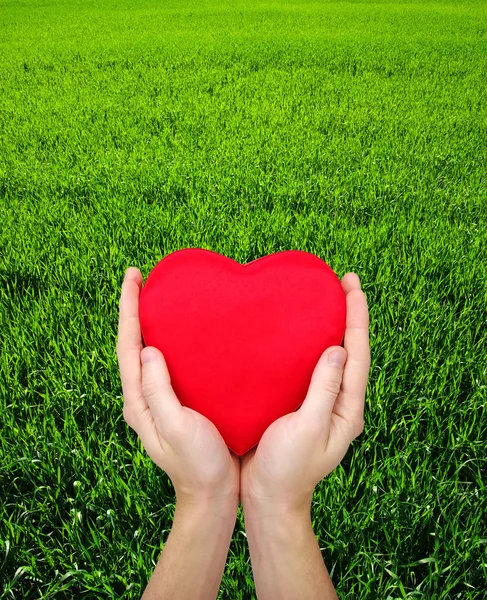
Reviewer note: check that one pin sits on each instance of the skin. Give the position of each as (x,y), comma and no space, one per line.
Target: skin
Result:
(172,435)
(319,433)
(274,481)
(278,477)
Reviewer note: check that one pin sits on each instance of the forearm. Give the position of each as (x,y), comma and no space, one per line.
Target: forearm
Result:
(286,559)
(193,560)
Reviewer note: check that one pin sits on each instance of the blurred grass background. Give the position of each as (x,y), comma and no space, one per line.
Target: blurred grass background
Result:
(352,130)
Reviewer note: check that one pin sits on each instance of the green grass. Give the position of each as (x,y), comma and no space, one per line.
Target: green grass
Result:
(352,130)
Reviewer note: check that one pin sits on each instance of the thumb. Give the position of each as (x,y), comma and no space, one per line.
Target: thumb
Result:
(157,389)
(324,386)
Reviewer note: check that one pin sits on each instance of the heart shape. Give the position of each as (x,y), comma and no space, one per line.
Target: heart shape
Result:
(241,342)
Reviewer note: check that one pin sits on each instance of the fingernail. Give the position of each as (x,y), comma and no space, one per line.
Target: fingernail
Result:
(148,356)
(336,358)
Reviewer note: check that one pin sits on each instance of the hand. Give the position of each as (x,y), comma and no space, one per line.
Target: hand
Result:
(178,439)
(299,449)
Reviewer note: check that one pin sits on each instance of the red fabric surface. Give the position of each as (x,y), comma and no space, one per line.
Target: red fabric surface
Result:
(241,341)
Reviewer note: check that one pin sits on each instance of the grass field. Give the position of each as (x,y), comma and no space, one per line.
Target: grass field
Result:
(353,130)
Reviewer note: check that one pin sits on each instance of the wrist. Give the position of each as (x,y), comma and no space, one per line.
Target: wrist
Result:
(286,557)
(278,535)
(273,509)
(277,523)
(219,507)
(193,560)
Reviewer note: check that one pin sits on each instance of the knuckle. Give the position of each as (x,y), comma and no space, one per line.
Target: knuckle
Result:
(331,386)
(149,389)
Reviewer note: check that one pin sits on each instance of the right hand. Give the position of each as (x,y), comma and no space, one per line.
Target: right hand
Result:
(179,439)
(301,448)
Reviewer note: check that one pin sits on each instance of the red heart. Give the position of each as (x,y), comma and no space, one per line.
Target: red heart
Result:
(241,341)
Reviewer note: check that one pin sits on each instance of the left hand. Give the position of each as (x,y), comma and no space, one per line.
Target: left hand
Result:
(301,448)
(178,439)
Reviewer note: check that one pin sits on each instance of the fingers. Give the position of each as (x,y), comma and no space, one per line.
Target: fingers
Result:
(324,388)
(342,391)
(129,343)
(351,281)
(159,394)
(350,403)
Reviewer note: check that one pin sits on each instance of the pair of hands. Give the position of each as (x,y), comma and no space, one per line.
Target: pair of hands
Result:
(295,452)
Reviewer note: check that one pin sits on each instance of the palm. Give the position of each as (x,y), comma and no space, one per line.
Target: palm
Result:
(217,462)
(277,461)
(301,448)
